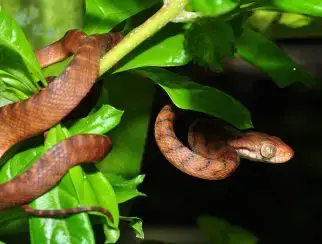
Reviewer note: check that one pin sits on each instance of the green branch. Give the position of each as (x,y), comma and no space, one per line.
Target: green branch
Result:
(167,13)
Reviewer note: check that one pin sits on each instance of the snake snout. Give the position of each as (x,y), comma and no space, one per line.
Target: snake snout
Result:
(289,154)
(285,154)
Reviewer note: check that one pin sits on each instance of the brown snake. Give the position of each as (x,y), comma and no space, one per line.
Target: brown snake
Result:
(216,146)
(21,120)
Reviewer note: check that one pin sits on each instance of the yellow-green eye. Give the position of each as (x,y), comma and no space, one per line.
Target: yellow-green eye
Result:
(268,150)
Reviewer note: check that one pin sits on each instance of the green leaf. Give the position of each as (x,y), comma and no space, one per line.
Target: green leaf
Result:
(213,7)
(187,94)
(309,7)
(134,95)
(104,194)
(10,88)
(17,52)
(136,225)
(209,41)
(295,20)
(125,189)
(93,189)
(101,121)
(166,48)
(268,57)
(261,20)
(54,136)
(103,15)
(218,230)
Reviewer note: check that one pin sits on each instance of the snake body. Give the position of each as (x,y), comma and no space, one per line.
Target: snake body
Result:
(51,167)
(24,119)
(30,117)
(215,146)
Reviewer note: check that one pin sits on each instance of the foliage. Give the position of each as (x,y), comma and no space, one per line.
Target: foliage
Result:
(219,29)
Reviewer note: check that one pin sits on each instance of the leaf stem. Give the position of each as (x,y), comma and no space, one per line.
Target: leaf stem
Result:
(167,13)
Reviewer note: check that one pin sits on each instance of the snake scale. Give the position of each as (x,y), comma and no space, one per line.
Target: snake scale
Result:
(30,117)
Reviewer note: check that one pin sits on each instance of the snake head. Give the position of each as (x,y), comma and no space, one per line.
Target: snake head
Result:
(258,146)
(275,150)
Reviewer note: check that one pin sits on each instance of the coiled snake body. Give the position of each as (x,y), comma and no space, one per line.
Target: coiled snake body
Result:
(24,119)
(216,146)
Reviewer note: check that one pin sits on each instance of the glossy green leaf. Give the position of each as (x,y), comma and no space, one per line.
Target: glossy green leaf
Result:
(209,41)
(125,189)
(309,7)
(10,88)
(261,20)
(16,52)
(104,194)
(217,230)
(12,95)
(213,7)
(103,15)
(295,20)
(187,94)
(93,189)
(101,121)
(136,225)
(54,136)
(134,95)
(166,48)
(268,57)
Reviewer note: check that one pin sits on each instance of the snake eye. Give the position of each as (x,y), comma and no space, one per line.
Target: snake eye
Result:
(268,150)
